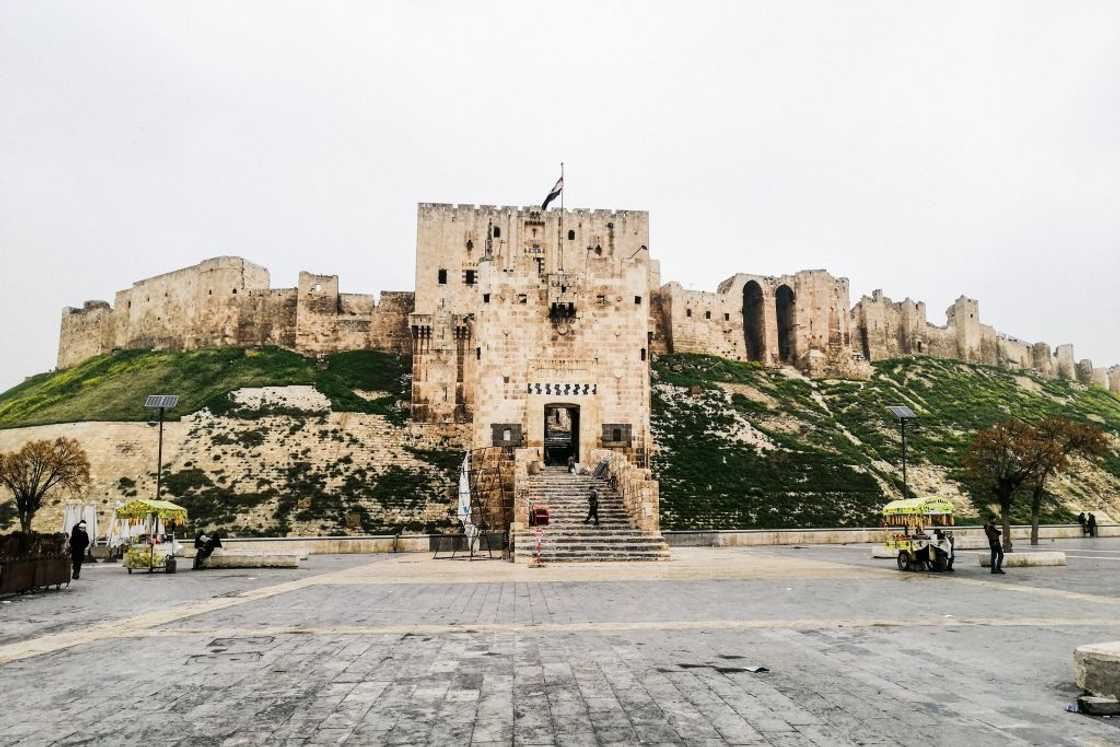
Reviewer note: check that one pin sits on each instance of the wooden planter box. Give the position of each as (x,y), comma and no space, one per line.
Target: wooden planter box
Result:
(17,576)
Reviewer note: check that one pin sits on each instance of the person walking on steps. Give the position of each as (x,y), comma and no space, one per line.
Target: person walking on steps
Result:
(79,541)
(995,543)
(592,507)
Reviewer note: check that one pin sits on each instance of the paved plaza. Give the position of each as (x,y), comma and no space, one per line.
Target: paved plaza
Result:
(770,646)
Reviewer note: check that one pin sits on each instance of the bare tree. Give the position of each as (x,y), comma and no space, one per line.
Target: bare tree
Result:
(40,467)
(1057,441)
(1000,460)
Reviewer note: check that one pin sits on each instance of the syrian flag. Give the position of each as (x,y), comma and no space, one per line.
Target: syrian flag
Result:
(553,193)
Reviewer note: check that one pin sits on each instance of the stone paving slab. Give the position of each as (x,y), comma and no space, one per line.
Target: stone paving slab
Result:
(404,652)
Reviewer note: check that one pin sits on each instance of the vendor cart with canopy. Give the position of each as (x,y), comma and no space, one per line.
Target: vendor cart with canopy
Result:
(157,516)
(923,542)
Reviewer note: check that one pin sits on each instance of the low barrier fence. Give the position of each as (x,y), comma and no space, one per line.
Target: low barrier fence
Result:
(966,536)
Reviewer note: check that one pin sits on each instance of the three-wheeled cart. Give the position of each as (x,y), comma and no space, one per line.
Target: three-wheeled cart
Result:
(923,542)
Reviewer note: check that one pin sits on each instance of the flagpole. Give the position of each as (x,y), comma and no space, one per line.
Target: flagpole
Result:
(560,235)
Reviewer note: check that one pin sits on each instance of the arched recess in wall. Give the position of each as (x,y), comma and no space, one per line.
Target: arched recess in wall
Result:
(754,321)
(785,303)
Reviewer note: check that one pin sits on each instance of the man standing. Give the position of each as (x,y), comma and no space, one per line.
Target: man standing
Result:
(79,541)
(592,507)
(1081,521)
(1092,524)
(995,543)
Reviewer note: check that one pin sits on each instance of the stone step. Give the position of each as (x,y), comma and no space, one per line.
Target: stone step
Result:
(601,558)
(568,539)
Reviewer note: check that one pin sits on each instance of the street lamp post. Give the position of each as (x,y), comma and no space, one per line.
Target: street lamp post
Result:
(903,414)
(159,402)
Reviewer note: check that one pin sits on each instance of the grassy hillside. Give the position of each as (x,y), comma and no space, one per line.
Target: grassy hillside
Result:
(112,387)
(739,446)
(267,466)
(744,447)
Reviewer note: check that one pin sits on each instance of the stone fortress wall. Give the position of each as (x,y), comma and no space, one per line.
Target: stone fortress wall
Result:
(804,320)
(227,302)
(487,275)
(519,309)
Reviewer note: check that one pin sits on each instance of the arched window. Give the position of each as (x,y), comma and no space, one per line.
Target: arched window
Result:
(470,245)
(497,232)
(785,303)
(753,322)
(571,235)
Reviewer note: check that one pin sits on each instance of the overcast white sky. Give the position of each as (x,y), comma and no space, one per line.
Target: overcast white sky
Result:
(930,151)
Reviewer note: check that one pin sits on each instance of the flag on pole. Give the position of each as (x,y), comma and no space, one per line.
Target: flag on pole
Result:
(553,193)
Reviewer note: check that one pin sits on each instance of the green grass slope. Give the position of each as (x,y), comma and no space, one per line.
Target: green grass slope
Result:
(112,387)
(743,447)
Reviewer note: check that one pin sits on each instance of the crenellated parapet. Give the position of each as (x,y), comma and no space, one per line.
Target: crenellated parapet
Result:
(227,302)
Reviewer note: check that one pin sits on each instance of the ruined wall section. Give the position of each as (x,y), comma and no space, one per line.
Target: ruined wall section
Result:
(886,329)
(227,302)
(801,320)
(86,332)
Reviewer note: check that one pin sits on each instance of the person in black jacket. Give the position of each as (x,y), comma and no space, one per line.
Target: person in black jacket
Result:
(79,541)
(205,547)
(1091,524)
(1081,521)
(995,543)
(592,507)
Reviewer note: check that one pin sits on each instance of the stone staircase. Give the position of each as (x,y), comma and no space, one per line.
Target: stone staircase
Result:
(567,539)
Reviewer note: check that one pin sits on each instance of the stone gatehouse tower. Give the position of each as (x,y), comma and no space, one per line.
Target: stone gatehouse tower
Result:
(534,326)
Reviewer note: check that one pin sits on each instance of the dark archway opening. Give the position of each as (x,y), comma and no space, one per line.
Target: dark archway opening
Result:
(561,434)
(786,305)
(753,321)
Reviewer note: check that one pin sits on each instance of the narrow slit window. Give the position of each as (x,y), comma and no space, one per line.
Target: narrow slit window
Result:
(643,353)
(486,298)
(707,315)
(497,232)
(688,312)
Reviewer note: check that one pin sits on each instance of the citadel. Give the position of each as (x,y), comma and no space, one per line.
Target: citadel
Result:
(517,305)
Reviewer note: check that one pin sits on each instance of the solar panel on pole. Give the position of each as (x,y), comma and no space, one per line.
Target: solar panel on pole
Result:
(903,413)
(158,401)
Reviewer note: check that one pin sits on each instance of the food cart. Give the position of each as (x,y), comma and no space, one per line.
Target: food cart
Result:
(157,516)
(916,548)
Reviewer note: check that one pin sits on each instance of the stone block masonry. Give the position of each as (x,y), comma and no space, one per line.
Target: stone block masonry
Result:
(227,302)
(471,256)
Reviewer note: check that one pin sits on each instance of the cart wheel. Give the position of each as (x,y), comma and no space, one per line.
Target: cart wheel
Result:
(903,561)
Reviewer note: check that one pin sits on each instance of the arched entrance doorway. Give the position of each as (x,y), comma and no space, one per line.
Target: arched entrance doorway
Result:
(753,321)
(785,303)
(561,433)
